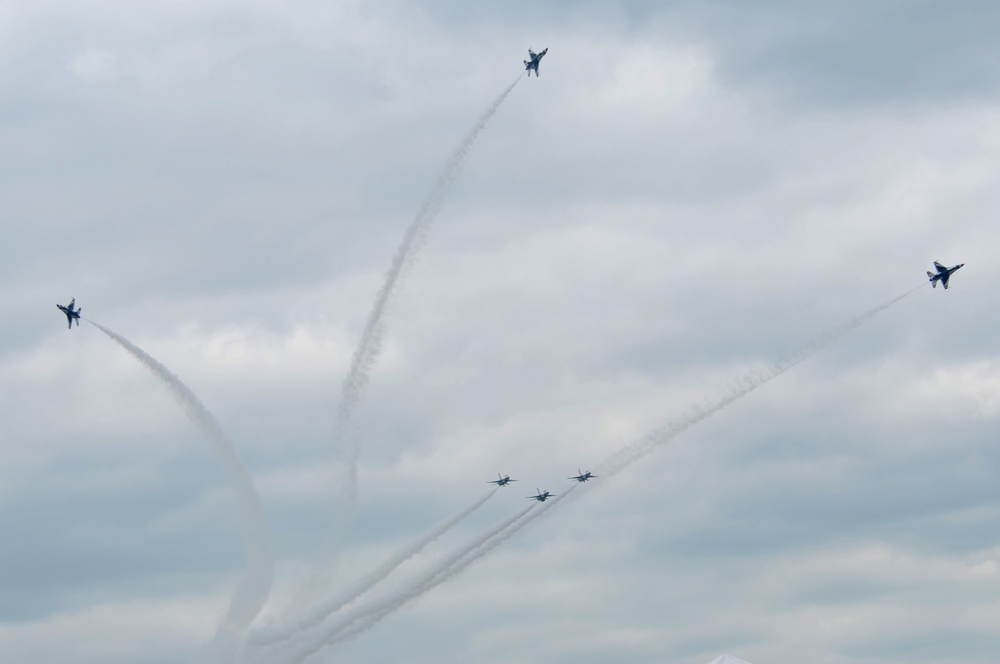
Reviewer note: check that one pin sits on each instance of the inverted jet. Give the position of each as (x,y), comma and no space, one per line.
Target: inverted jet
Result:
(541,496)
(943,274)
(71,313)
(502,480)
(582,477)
(533,62)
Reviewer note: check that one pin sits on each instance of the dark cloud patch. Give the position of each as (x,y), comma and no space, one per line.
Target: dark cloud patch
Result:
(832,55)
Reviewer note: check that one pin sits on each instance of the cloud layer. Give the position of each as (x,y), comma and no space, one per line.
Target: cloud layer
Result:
(683,197)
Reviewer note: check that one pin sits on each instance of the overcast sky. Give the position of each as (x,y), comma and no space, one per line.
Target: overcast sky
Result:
(689,192)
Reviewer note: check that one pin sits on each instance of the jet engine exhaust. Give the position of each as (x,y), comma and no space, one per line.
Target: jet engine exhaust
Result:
(253,591)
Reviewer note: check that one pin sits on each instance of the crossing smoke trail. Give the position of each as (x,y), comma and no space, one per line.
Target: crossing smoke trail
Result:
(368,618)
(370,343)
(450,568)
(253,590)
(373,579)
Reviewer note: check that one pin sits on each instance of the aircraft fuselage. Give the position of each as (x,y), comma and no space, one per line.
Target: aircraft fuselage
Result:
(534,59)
(71,313)
(943,274)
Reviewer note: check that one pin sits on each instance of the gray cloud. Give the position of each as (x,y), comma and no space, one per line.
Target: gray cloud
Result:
(687,192)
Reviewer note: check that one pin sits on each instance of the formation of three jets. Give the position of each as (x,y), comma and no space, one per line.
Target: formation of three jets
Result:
(542,496)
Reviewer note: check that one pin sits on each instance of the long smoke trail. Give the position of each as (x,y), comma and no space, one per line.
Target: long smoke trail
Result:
(370,343)
(739,389)
(366,619)
(335,604)
(252,592)
(450,568)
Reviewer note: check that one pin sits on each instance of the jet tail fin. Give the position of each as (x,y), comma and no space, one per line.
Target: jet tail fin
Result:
(933,281)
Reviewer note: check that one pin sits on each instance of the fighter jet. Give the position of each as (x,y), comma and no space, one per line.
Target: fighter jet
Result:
(502,481)
(943,273)
(71,314)
(540,496)
(533,62)
(582,477)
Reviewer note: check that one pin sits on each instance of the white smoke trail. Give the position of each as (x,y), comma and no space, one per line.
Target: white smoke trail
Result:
(367,617)
(453,566)
(252,592)
(388,567)
(739,389)
(370,343)
(363,620)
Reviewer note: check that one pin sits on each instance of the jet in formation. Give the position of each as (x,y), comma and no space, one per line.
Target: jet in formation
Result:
(582,477)
(71,313)
(533,62)
(502,480)
(541,496)
(943,274)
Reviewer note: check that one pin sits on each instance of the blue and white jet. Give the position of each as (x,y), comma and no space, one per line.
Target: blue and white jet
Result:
(71,313)
(502,480)
(541,496)
(582,477)
(533,62)
(943,274)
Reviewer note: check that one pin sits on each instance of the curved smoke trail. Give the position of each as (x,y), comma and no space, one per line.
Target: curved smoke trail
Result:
(367,618)
(253,590)
(370,343)
(336,603)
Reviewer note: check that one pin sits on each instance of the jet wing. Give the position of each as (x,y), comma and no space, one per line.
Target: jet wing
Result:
(531,54)
(940,268)
(944,280)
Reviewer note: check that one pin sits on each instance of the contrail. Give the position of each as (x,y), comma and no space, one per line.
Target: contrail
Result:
(367,618)
(252,592)
(388,567)
(370,343)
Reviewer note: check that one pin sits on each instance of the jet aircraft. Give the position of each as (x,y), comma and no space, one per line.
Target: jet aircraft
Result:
(541,496)
(582,477)
(71,313)
(533,62)
(502,481)
(943,274)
